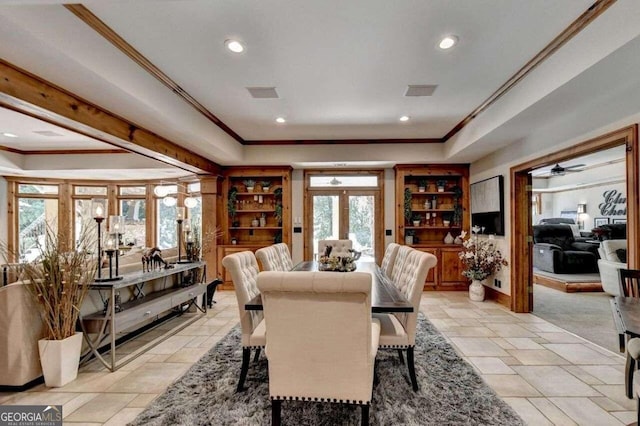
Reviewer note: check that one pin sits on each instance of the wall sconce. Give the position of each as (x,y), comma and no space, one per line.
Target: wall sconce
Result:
(582,208)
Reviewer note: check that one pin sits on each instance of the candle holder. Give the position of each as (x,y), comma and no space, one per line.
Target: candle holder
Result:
(110,247)
(180,219)
(116,227)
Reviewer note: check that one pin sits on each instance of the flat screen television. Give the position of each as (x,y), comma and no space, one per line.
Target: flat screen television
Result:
(487,205)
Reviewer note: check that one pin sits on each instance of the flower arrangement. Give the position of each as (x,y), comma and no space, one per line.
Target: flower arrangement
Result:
(480,257)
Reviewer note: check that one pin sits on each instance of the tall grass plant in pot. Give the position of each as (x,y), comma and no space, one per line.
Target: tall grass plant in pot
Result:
(59,281)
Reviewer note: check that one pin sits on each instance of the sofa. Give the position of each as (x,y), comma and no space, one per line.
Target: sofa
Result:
(611,231)
(613,257)
(556,250)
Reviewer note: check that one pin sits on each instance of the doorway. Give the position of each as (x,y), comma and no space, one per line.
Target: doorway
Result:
(521,208)
(347,205)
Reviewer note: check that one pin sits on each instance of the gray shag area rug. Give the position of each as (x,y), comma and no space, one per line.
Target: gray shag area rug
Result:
(451,392)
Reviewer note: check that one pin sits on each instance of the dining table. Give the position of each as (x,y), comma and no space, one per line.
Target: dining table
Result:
(385,296)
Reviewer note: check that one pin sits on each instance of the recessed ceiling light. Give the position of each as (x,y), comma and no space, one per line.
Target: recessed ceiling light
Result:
(9,135)
(405,118)
(234,46)
(280,120)
(448,42)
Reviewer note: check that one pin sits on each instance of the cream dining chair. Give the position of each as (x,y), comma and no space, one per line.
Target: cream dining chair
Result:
(312,355)
(243,268)
(275,257)
(398,330)
(389,258)
(339,247)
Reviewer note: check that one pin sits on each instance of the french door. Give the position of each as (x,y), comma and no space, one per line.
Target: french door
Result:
(353,214)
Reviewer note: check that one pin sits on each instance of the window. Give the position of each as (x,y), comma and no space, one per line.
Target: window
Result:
(34,215)
(28,188)
(83,221)
(90,190)
(167,226)
(134,212)
(331,181)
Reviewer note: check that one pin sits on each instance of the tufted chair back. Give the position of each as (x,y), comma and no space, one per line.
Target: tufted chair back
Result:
(275,258)
(305,314)
(398,263)
(410,281)
(340,247)
(244,270)
(389,258)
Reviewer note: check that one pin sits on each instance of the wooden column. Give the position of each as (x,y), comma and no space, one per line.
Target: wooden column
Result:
(65,216)
(209,193)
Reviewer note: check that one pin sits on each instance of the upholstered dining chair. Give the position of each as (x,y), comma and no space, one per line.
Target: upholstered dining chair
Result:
(389,258)
(275,257)
(398,330)
(339,247)
(312,355)
(398,263)
(243,268)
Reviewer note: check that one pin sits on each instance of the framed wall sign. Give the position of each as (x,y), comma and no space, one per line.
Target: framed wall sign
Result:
(598,221)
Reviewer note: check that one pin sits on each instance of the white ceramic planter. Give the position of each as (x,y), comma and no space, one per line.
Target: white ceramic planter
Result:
(60,360)
(476,291)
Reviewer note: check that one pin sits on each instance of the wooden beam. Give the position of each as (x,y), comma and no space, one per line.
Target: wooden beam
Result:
(121,44)
(571,31)
(31,95)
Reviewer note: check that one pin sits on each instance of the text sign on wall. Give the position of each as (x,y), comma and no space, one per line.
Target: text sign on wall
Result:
(614,204)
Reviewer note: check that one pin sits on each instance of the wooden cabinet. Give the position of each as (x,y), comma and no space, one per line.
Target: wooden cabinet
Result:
(256,211)
(432,201)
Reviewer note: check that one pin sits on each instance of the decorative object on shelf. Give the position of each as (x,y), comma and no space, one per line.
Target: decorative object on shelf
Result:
(277,212)
(234,240)
(263,220)
(265,184)
(111,248)
(434,203)
(456,218)
(152,259)
(189,241)
(249,184)
(415,219)
(481,259)
(59,282)
(440,185)
(422,185)
(407,205)
(446,219)
(255,223)
(232,200)
(460,238)
(449,238)
(277,238)
(434,221)
(408,237)
(117,302)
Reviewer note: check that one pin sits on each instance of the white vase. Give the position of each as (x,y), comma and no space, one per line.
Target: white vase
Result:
(476,291)
(448,239)
(60,360)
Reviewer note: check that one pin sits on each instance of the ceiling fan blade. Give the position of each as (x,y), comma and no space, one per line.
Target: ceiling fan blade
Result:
(575,166)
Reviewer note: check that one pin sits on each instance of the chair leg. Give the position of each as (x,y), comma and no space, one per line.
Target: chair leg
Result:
(256,357)
(400,356)
(629,370)
(246,355)
(412,369)
(276,406)
(364,421)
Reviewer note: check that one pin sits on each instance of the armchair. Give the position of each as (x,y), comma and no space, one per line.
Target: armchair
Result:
(555,250)
(610,265)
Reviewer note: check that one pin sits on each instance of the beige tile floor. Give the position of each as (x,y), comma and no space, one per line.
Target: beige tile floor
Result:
(549,376)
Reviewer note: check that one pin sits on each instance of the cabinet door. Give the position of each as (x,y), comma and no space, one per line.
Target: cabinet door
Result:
(451,267)
(432,275)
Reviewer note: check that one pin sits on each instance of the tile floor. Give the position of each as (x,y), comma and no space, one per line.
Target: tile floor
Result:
(549,376)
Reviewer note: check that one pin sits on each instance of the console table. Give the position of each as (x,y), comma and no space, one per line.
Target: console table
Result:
(141,308)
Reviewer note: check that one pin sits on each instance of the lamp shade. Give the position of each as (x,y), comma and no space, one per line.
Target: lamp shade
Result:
(190,202)
(582,208)
(98,208)
(116,224)
(111,242)
(186,225)
(179,213)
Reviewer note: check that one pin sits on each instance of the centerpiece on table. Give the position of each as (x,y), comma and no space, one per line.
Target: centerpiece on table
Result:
(481,259)
(59,281)
(326,262)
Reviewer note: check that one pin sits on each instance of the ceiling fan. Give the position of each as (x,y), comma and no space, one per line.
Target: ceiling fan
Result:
(558,170)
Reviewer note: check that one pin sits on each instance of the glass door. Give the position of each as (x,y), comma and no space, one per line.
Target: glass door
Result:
(344,214)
